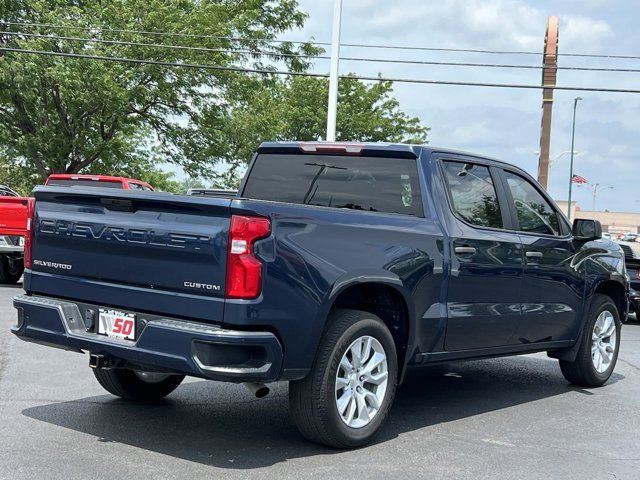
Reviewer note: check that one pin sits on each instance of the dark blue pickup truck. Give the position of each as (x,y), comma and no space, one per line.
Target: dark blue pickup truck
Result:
(336,268)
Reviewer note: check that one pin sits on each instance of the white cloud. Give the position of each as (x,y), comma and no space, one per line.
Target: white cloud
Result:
(475,133)
(585,34)
(463,23)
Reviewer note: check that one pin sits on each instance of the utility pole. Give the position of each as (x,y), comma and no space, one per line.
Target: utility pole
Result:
(549,74)
(333,73)
(573,138)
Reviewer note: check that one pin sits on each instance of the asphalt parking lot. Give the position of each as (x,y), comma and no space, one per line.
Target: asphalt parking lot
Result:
(511,418)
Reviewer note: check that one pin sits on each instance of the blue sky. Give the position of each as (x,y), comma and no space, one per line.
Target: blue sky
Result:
(505,123)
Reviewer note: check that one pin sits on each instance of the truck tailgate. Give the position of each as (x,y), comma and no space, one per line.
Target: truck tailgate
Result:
(13,215)
(151,242)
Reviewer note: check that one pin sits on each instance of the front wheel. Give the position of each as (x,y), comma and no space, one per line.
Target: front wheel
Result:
(346,397)
(137,385)
(599,346)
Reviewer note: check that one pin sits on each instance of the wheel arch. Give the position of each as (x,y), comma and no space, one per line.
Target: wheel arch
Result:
(384,296)
(616,291)
(613,289)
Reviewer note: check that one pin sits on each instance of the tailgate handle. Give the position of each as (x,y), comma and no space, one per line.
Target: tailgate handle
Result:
(117,204)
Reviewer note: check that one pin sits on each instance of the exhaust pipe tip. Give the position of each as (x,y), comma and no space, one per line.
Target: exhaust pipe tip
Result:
(259,390)
(96,361)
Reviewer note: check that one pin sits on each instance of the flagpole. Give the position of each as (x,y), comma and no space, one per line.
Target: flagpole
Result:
(573,137)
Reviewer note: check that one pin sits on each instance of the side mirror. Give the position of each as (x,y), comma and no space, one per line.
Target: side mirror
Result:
(586,229)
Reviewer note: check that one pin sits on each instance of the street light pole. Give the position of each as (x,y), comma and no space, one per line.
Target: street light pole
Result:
(552,161)
(333,73)
(573,138)
(596,187)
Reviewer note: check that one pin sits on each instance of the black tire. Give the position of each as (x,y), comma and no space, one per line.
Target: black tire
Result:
(11,269)
(312,400)
(126,383)
(582,371)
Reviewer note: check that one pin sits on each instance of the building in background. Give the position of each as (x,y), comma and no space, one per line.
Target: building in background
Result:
(612,222)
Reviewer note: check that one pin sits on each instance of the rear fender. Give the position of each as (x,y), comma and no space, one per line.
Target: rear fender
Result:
(381,277)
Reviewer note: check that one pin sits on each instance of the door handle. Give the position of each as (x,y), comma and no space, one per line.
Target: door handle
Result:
(465,250)
(534,254)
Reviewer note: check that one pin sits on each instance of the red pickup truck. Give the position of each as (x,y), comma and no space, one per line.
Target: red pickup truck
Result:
(14,214)
(13,223)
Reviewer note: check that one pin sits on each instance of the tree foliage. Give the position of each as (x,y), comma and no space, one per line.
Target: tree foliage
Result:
(84,115)
(62,115)
(295,108)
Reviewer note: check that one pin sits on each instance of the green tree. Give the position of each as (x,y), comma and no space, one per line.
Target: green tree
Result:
(295,108)
(85,115)
(14,174)
(64,115)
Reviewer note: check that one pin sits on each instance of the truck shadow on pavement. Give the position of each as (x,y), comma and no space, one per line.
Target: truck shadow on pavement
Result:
(222,425)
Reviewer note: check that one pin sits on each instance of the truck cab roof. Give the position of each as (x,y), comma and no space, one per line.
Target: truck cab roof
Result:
(364,148)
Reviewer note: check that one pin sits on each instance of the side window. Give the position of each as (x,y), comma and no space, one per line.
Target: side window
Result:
(135,186)
(535,214)
(473,194)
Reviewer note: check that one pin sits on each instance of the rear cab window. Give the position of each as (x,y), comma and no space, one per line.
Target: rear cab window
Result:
(371,184)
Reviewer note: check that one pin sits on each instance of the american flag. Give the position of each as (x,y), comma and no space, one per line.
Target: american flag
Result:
(578,179)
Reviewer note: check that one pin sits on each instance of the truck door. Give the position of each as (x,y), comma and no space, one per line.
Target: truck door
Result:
(554,283)
(483,300)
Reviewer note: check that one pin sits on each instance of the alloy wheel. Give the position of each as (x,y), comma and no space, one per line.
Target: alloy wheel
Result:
(603,341)
(361,382)
(14,266)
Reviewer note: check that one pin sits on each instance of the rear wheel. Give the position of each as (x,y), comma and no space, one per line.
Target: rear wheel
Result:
(599,346)
(11,269)
(347,396)
(136,384)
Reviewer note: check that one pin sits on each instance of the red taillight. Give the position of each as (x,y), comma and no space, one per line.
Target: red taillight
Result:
(244,270)
(31,208)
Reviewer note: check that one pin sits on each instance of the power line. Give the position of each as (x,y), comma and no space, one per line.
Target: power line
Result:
(160,45)
(309,56)
(355,45)
(310,74)
(160,34)
(160,62)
